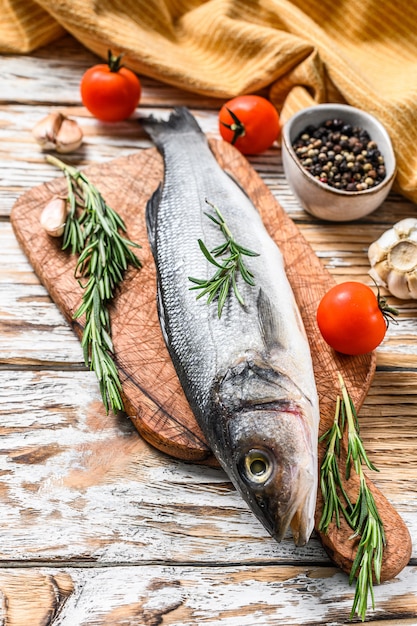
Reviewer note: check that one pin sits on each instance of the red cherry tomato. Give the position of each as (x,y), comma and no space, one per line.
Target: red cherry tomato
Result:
(250,123)
(110,92)
(352,319)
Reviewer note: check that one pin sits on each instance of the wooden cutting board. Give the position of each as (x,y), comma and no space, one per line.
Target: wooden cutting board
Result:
(153,396)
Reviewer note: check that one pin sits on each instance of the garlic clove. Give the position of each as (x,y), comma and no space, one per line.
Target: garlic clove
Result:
(380,271)
(53,217)
(69,136)
(388,239)
(58,132)
(376,253)
(46,130)
(412,284)
(397,284)
(405,227)
(412,235)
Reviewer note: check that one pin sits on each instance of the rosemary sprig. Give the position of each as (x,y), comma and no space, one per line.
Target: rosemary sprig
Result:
(330,480)
(365,519)
(362,516)
(368,560)
(93,230)
(356,454)
(223,280)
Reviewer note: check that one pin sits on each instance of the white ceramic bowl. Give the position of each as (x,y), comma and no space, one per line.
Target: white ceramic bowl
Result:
(319,199)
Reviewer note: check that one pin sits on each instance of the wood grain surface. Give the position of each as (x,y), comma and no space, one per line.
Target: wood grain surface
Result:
(97,526)
(152,393)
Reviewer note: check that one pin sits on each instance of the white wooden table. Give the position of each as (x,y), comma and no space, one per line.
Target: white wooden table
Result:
(96,526)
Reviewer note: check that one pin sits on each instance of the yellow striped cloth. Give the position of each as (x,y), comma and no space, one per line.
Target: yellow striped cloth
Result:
(363,52)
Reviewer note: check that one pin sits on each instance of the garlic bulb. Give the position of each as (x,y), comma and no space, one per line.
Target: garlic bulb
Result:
(58,132)
(53,217)
(393,259)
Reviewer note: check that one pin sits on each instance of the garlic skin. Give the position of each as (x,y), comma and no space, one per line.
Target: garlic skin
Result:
(393,259)
(53,217)
(46,130)
(58,132)
(69,137)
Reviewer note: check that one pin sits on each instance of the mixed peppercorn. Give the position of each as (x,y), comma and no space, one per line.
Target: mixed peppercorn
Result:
(340,155)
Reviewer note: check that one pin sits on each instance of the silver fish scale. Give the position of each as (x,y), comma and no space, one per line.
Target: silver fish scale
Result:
(205,345)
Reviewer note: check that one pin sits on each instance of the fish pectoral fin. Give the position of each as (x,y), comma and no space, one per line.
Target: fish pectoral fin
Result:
(269,323)
(151,215)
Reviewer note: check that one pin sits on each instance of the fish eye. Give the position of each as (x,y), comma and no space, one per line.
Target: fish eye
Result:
(257,466)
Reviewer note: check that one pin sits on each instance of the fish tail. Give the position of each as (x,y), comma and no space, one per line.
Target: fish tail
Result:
(180,120)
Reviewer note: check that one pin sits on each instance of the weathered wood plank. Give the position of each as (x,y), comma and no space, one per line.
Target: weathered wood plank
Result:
(104,494)
(189,596)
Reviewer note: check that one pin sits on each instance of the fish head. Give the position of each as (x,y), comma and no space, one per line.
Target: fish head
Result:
(274,465)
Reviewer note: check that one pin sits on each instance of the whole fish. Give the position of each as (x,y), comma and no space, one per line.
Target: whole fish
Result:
(247,375)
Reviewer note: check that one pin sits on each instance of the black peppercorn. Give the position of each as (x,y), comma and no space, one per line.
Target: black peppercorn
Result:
(340,155)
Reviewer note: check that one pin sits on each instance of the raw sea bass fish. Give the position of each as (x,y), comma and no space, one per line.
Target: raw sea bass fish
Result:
(247,375)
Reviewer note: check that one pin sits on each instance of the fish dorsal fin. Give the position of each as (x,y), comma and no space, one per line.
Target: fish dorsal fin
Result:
(269,322)
(151,215)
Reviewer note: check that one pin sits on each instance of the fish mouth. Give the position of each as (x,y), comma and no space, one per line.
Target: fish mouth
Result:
(278,500)
(299,516)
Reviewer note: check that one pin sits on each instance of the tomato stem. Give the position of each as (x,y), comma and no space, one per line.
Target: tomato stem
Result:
(114,62)
(238,128)
(387,311)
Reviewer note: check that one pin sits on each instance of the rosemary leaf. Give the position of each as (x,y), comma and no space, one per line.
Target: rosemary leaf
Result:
(224,290)
(246,274)
(244,251)
(197,281)
(207,254)
(236,290)
(221,249)
(107,340)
